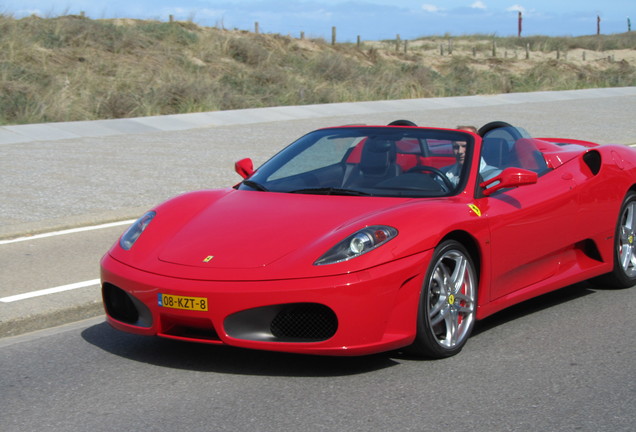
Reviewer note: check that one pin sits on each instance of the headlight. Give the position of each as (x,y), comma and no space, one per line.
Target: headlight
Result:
(131,235)
(358,243)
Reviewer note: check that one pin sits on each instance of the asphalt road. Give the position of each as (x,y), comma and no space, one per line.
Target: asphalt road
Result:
(562,362)
(59,176)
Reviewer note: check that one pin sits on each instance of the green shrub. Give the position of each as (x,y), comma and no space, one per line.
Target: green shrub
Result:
(75,68)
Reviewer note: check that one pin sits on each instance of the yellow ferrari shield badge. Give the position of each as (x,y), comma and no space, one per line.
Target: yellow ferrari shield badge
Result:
(475,209)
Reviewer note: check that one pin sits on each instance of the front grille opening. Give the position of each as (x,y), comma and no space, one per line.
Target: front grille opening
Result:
(307,322)
(188,332)
(119,305)
(200,329)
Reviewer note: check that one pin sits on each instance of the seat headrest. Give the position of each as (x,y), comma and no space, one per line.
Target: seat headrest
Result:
(377,156)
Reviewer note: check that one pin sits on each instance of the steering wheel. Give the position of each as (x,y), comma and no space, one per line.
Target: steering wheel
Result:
(424,168)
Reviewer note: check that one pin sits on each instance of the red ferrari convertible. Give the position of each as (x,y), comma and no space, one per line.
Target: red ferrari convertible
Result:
(361,239)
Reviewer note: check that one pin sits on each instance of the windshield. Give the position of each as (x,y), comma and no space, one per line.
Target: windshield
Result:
(377,161)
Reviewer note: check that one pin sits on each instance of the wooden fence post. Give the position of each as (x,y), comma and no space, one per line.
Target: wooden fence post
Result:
(358,42)
(333,35)
(397,43)
(256,28)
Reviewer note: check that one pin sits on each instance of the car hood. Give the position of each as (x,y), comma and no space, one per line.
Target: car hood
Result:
(247,229)
(249,235)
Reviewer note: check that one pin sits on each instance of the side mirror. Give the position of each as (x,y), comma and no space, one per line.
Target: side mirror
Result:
(244,167)
(508,178)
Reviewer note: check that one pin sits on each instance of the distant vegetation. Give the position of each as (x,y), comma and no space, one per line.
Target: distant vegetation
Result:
(75,68)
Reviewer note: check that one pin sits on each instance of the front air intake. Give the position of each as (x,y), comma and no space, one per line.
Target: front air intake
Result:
(310,321)
(125,308)
(291,322)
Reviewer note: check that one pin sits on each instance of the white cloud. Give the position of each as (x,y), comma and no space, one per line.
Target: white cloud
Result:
(431,8)
(478,5)
(516,8)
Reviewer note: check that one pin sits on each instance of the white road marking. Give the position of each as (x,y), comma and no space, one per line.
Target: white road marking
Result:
(48,291)
(67,231)
(62,288)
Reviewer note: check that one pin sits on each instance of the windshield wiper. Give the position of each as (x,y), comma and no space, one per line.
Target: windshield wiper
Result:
(255,185)
(330,191)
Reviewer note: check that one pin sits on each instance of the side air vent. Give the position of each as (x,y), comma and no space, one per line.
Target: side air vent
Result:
(593,160)
(589,248)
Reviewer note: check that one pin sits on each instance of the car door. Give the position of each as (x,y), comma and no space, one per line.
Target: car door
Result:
(531,226)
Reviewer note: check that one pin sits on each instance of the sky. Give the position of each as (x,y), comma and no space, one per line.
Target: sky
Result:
(369,19)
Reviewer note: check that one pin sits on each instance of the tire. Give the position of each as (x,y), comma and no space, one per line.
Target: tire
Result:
(624,273)
(448,303)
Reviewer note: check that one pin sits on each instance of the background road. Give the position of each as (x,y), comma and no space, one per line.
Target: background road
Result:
(561,362)
(52,183)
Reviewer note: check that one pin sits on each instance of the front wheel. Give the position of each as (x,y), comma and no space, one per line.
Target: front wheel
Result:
(448,303)
(624,273)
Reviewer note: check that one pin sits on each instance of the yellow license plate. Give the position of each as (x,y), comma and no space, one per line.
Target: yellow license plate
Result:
(182,302)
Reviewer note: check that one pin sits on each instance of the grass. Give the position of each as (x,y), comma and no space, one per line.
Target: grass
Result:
(74,68)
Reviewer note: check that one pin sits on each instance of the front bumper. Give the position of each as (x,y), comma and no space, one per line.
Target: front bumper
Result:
(353,314)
